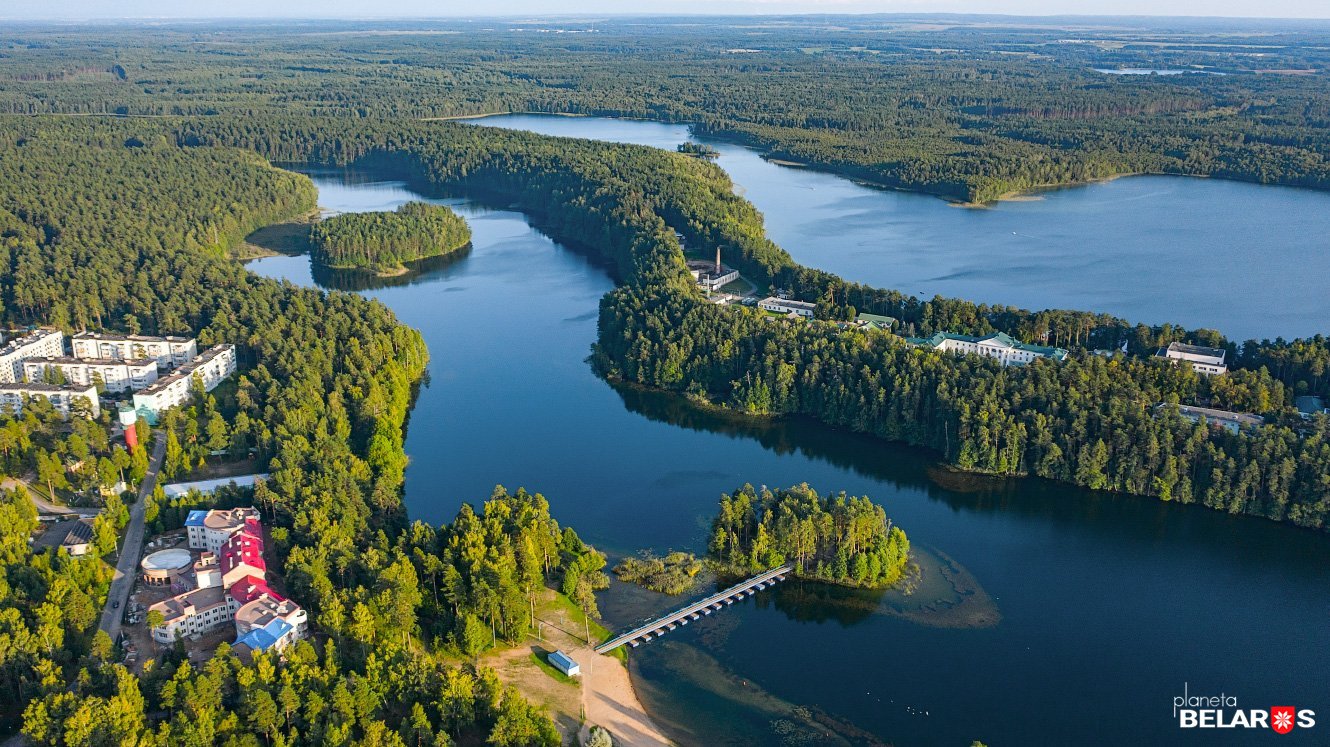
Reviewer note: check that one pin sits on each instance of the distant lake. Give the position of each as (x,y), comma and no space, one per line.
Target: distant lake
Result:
(1250,260)
(1152,71)
(1046,614)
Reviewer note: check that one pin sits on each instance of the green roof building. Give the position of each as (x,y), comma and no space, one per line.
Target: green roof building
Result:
(1001,346)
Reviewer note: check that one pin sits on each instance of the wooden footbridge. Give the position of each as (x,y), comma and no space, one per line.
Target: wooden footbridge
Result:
(695,611)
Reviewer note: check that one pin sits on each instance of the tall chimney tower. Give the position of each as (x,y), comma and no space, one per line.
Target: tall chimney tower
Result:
(717,260)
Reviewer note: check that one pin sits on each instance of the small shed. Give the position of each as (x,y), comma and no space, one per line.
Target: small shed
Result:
(564,663)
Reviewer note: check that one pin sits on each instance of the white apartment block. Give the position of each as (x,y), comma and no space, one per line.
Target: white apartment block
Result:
(787,306)
(1206,361)
(175,389)
(38,342)
(114,374)
(169,352)
(14,396)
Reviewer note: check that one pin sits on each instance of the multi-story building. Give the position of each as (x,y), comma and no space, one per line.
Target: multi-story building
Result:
(241,555)
(209,530)
(1206,361)
(787,306)
(115,375)
(169,352)
(176,388)
(65,399)
(38,342)
(265,606)
(1002,347)
(191,613)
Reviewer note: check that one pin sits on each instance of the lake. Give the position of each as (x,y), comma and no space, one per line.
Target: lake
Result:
(1046,614)
(1207,253)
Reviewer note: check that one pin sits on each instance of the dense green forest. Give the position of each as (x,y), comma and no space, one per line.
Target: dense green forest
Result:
(106,224)
(325,386)
(840,539)
(970,109)
(385,242)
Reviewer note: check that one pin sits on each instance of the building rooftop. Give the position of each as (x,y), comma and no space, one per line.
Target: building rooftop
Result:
(67,359)
(245,547)
(1220,416)
(111,337)
(190,603)
(562,660)
(186,370)
(1309,404)
(264,638)
(173,559)
(196,518)
(1001,339)
(27,338)
(209,486)
(80,533)
(263,609)
(49,388)
(791,303)
(1182,349)
(250,588)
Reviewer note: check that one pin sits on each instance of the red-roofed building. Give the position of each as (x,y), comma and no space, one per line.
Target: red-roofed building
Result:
(242,555)
(250,588)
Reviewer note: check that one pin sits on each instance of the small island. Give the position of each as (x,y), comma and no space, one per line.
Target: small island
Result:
(838,539)
(699,150)
(673,574)
(384,242)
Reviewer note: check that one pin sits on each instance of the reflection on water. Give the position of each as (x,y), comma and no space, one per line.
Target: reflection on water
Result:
(421,271)
(1140,594)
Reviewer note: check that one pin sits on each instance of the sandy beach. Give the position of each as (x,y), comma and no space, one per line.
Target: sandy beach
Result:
(609,700)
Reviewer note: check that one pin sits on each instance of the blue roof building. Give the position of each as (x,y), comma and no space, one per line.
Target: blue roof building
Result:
(196,517)
(267,637)
(564,663)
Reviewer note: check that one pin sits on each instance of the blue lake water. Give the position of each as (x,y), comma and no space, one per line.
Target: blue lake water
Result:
(1247,259)
(1046,615)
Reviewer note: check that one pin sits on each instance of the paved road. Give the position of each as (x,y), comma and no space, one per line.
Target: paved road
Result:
(131,547)
(44,507)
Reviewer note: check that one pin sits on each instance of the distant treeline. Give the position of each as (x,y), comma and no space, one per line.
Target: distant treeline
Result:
(385,241)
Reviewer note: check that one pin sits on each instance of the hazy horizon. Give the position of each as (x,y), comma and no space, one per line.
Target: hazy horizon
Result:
(74,10)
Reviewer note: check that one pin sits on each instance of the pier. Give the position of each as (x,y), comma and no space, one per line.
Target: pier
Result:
(697,610)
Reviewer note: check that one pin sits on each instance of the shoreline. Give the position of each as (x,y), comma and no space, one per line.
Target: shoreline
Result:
(610,700)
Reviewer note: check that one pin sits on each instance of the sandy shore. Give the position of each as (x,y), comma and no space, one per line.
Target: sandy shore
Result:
(609,700)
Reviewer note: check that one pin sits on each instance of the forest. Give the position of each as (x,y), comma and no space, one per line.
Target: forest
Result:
(837,539)
(325,385)
(384,242)
(1092,421)
(105,224)
(969,110)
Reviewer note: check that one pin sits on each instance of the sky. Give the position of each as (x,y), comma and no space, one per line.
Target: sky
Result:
(89,9)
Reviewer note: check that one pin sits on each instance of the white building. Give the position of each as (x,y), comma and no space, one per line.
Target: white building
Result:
(176,388)
(169,352)
(191,613)
(564,663)
(1235,422)
(38,342)
(1207,361)
(209,530)
(787,306)
(114,374)
(64,398)
(1002,347)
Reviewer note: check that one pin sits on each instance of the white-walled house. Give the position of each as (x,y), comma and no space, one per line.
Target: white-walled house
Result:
(1207,361)
(1002,347)
(64,398)
(787,306)
(176,388)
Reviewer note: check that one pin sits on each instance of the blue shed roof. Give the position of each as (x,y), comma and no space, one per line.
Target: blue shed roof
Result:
(562,661)
(196,518)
